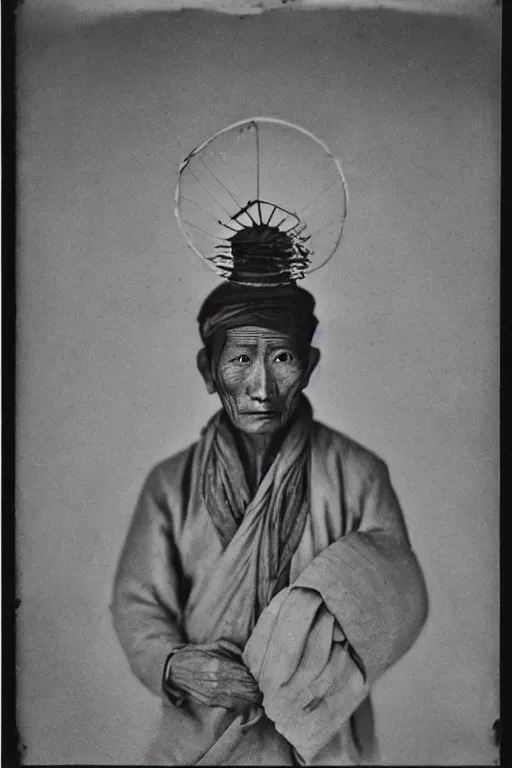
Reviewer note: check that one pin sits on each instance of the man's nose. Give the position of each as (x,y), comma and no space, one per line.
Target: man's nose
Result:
(260,383)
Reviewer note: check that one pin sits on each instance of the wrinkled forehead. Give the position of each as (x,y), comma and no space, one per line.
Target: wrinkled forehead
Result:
(255,335)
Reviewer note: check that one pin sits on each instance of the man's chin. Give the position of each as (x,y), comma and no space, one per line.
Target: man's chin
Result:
(260,424)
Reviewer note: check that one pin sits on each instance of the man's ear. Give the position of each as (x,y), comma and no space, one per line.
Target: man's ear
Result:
(203,366)
(313,358)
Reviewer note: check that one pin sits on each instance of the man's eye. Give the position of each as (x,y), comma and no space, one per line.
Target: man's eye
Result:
(241,359)
(284,357)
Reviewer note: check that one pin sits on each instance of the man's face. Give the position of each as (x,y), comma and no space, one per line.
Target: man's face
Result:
(259,376)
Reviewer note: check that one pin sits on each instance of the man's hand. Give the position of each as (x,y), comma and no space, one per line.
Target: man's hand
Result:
(215,675)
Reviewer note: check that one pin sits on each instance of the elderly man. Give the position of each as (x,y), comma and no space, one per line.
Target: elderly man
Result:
(267,579)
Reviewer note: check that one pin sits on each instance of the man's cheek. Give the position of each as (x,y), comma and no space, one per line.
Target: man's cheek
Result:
(230,405)
(289,385)
(230,383)
(230,400)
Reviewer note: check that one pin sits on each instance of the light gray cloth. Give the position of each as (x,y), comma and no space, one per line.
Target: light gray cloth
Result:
(369,584)
(310,685)
(280,505)
(176,584)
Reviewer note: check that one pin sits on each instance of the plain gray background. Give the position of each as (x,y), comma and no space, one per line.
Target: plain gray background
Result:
(108,294)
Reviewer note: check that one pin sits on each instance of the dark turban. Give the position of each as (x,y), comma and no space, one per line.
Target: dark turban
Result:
(284,308)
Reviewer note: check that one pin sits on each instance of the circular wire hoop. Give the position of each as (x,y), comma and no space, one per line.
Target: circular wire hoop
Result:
(262,201)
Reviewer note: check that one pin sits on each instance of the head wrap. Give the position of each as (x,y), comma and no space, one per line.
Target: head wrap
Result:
(284,308)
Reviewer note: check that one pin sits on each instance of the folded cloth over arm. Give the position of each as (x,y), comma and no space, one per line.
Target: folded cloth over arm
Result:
(366,589)
(300,657)
(371,582)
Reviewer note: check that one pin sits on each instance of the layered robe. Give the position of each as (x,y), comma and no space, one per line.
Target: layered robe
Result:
(354,602)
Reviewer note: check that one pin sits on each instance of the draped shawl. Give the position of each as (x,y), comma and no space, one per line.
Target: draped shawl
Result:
(280,504)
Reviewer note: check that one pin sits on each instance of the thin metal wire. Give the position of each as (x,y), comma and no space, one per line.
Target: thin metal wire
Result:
(209,193)
(308,175)
(324,226)
(294,231)
(191,224)
(225,262)
(189,200)
(285,231)
(220,182)
(317,197)
(230,173)
(231,228)
(242,212)
(273,211)
(217,221)
(258,169)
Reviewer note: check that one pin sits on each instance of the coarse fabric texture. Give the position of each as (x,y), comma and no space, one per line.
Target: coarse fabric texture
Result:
(177,584)
(370,585)
(310,683)
(279,507)
(287,309)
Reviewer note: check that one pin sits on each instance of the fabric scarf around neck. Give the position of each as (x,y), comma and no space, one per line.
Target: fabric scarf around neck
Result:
(282,498)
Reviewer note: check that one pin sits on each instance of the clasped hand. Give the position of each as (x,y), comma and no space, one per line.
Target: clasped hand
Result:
(215,675)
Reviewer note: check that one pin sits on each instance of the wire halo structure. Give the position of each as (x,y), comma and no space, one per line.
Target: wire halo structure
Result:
(248,246)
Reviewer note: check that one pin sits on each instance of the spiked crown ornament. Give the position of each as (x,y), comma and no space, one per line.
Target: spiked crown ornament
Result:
(262,202)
